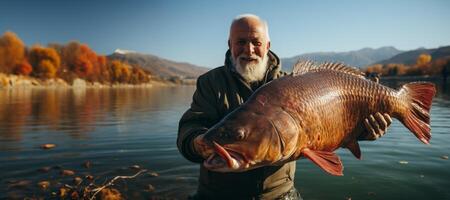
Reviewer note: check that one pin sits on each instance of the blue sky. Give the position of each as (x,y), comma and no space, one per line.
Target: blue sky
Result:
(197,31)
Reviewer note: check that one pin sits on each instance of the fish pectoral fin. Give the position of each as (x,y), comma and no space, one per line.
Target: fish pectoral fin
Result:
(328,161)
(354,148)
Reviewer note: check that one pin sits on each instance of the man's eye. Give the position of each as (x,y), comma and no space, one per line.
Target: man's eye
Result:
(242,42)
(257,43)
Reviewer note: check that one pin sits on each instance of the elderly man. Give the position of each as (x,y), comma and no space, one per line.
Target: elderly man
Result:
(248,65)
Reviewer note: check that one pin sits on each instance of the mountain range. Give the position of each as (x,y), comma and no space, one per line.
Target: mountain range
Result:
(359,58)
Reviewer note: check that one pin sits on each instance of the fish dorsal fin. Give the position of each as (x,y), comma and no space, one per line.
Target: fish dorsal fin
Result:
(305,66)
(328,161)
(354,148)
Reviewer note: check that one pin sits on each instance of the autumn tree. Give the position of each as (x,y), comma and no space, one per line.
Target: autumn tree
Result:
(45,61)
(377,68)
(423,60)
(12,52)
(440,66)
(395,69)
(23,68)
(83,61)
(120,72)
(138,76)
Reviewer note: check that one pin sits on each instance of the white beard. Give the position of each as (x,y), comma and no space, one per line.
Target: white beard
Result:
(252,72)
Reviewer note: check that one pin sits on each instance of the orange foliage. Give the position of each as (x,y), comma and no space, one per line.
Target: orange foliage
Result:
(66,61)
(378,68)
(120,72)
(394,69)
(12,52)
(82,60)
(45,61)
(83,66)
(138,76)
(23,68)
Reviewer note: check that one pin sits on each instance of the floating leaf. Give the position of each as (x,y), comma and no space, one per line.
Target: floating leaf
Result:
(77,180)
(150,188)
(48,146)
(44,185)
(67,172)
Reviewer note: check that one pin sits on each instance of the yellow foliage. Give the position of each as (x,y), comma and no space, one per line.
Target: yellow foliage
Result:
(423,60)
(46,69)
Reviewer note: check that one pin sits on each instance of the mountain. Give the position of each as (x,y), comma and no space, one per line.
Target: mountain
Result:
(410,57)
(359,58)
(159,66)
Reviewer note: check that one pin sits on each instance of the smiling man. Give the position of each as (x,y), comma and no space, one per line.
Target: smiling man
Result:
(249,64)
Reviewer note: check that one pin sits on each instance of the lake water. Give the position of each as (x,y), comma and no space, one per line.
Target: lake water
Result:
(114,129)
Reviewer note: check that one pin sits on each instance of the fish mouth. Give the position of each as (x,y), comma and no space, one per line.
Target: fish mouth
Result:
(224,160)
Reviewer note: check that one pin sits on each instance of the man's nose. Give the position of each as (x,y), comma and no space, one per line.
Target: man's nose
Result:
(249,49)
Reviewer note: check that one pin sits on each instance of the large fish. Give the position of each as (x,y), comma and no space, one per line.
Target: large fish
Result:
(311,113)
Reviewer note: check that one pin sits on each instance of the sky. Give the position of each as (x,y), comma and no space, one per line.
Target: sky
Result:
(197,31)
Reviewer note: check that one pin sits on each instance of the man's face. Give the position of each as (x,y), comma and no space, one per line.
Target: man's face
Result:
(248,42)
(249,46)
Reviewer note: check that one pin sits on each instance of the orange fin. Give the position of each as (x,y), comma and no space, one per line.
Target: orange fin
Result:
(354,148)
(417,119)
(328,161)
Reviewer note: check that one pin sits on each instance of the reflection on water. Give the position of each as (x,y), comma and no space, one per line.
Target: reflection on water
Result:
(117,128)
(111,128)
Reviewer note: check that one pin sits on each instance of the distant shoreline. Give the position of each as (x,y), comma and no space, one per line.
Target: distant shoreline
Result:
(434,78)
(8,81)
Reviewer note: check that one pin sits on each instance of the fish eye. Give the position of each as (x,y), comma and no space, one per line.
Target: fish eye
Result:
(240,134)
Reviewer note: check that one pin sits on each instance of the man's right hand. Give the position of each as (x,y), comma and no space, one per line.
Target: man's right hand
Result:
(200,147)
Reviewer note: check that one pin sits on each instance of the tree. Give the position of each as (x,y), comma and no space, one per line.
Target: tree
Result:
(83,61)
(23,68)
(423,60)
(45,61)
(12,52)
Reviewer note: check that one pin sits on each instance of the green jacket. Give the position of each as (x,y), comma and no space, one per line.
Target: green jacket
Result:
(220,91)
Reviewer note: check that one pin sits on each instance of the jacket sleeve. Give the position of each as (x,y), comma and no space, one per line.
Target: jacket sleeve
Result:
(197,119)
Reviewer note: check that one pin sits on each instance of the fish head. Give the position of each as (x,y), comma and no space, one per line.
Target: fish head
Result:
(247,139)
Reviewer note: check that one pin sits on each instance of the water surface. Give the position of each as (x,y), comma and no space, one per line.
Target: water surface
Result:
(114,129)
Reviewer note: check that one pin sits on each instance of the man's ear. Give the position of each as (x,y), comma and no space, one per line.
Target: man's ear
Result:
(268,45)
(229,44)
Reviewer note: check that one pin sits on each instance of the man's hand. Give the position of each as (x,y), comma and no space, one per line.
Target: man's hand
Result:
(200,147)
(376,126)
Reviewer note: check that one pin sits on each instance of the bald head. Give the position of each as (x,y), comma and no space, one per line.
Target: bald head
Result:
(249,23)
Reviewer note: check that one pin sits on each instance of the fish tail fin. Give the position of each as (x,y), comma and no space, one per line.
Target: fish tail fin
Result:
(419,96)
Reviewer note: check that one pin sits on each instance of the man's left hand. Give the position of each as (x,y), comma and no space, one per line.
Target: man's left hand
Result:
(376,125)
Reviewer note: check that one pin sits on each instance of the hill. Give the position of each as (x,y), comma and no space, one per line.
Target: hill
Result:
(410,57)
(159,66)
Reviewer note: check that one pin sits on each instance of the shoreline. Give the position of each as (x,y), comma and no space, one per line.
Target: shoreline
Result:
(10,81)
(422,78)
